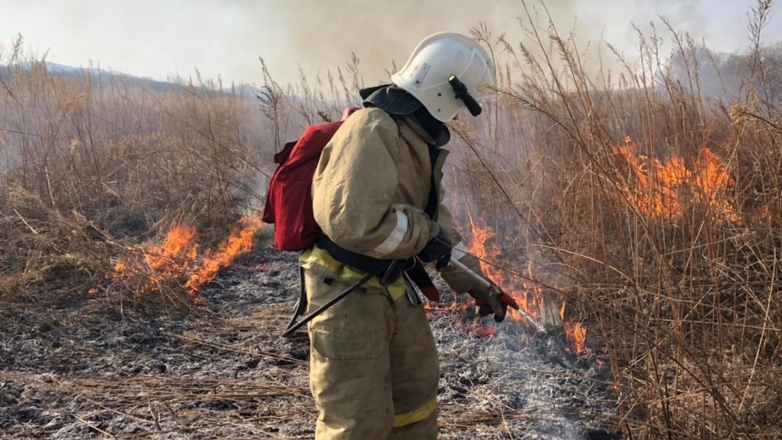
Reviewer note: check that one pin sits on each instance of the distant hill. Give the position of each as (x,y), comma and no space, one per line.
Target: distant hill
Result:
(105,78)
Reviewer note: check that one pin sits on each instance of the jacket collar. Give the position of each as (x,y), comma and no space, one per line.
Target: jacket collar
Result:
(402,105)
(442,139)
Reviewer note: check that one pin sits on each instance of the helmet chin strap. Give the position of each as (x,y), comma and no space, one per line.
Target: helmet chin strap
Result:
(463,94)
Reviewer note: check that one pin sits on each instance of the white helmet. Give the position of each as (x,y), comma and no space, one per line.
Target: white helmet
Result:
(437,68)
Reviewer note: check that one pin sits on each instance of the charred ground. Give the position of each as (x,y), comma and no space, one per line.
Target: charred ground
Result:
(647,202)
(86,368)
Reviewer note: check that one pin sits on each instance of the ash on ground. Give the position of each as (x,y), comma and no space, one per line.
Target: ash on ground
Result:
(92,367)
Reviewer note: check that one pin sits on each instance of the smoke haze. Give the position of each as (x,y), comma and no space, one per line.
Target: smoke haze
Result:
(160,38)
(319,35)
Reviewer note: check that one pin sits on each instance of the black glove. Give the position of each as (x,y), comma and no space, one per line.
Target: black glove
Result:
(437,250)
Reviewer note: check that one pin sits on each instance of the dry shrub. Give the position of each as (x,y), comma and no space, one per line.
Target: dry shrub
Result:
(688,307)
(125,159)
(687,303)
(46,253)
(90,157)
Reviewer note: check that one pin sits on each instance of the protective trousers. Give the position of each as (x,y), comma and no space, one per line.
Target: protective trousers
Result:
(373,365)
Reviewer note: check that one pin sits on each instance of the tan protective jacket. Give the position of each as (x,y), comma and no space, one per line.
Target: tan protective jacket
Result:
(369,194)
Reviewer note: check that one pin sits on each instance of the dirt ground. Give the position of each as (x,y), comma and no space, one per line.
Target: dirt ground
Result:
(93,367)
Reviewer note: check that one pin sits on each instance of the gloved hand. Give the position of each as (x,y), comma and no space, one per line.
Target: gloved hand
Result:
(493,300)
(437,250)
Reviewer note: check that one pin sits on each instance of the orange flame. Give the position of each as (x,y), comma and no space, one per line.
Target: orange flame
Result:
(480,330)
(177,259)
(576,334)
(160,264)
(529,298)
(239,242)
(528,295)
(660,187)
(562,311)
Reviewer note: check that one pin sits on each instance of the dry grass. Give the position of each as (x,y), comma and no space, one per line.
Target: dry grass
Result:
(687,305)
(688,308)
(93,162)
(90,159)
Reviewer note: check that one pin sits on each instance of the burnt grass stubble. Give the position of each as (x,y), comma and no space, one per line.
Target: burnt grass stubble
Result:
(88,368)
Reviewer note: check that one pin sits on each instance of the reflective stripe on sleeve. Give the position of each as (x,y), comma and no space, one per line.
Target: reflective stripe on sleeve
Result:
(395,239)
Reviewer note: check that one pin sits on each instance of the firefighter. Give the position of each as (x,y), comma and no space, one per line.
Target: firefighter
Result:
(376,196)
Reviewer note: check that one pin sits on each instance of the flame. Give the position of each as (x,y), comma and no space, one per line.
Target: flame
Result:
(177,259)
(660,186)
(528,297)
(481,330)
(528,294)
(151,269)
(239,242)
(576,334)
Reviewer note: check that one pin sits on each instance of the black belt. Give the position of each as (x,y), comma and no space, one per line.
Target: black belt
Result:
(387,270)
(391,269)
(413,266)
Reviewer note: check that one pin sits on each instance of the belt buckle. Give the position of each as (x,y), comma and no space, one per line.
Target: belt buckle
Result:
(411,291)
(386,278)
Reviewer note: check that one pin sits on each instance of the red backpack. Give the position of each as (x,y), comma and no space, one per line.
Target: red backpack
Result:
(289,206)
(289,199)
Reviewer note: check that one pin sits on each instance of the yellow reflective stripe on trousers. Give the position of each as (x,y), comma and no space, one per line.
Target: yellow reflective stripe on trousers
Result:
(316,255)
(417,415)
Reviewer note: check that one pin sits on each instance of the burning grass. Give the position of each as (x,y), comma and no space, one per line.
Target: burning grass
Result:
(539,311)
(93,166)
(651,213)
(659,210)
(661,189)
(177,264)
(641,215)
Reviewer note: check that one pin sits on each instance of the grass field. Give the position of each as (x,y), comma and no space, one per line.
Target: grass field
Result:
(647,198)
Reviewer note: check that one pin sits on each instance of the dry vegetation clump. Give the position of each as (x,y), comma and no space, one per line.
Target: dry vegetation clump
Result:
(46,252)
(656,209)
(650,204)
(90,158)
(121,160)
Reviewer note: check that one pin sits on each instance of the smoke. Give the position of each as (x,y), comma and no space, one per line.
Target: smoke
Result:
(384,33)
(157,39)
(316,36)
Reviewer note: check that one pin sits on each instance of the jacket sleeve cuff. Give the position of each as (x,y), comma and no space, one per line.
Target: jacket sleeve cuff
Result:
(456,279)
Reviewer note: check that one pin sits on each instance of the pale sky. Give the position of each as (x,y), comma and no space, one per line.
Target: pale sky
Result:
(167,37)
